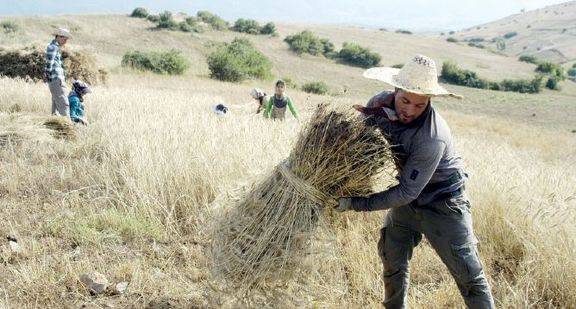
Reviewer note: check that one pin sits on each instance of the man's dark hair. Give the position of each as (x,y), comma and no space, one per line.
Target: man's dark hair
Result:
(280,82)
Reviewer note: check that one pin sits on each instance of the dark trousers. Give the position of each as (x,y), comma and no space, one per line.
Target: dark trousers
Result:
(447,224)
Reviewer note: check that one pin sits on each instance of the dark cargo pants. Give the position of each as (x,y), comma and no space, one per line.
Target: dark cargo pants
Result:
(447,224)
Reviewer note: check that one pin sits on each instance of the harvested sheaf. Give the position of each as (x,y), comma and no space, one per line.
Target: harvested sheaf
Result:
(29,63)
(61,127)
(16,129)
(262,241)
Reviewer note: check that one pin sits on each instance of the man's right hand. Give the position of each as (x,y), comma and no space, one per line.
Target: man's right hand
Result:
(344,204)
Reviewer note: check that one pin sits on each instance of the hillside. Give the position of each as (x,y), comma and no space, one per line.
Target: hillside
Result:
(109,37)
(548,33)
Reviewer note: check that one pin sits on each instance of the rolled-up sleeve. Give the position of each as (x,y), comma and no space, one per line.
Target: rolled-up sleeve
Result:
(417,172)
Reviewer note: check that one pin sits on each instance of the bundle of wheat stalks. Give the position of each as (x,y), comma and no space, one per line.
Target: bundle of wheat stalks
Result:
(264,238)
(29,63)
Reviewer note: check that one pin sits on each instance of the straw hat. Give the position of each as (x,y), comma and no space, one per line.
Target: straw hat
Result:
(62,32)
(418,76)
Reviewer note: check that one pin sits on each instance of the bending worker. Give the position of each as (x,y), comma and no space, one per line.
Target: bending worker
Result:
(429,199)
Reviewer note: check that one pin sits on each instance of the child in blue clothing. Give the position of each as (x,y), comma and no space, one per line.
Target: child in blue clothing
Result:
(76,101)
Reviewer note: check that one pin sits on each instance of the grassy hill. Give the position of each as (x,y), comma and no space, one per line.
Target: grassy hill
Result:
(109,37)
(548,33)
(136,195)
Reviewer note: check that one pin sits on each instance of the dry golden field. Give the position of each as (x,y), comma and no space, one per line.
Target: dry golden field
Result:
(136,194)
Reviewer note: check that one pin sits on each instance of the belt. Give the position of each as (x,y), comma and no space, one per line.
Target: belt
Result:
(454,178)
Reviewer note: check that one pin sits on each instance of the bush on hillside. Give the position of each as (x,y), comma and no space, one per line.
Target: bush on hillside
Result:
(139,13)
(307,42)
(169,62)
(529,59)
(249,26)
(476,40)
(510,35)
(572,72)
(166,21)
(553,83)
(452,40)
(213,20)
(318,87)
(153,18)
(398,66)
(193,25)
(552,69)
(451,73)
(238,61)
(9,26)
(329,50)
(269,29)
(477,45)
(522,85)
(403,31)
(356,55)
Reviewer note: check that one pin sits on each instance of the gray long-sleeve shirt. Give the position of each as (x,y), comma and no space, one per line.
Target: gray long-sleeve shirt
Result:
(425,156)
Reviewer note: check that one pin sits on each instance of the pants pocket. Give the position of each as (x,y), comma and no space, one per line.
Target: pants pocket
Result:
(467,260)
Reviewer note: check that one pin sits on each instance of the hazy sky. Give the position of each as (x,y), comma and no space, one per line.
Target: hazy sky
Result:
(410,14)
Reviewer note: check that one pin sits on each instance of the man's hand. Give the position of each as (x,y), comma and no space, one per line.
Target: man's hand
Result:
(344,204)
(358,107)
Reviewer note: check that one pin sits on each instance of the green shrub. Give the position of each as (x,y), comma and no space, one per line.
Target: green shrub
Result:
(329,49)
(308,42)
(476,40)
(398,66)
(193,25)
(553,83)
(238,61)
(269,29)
(153,18)
(403,31)
(451,73)
(529,59)
(451,32)
(139,13)
(356,55)
(213,20)
(315,87)
(452,40)
(572,72)
(522,85)
(166,21)
(249,26)
(472,44)
(552,69)
(510,35)
(166,62)
(9,26)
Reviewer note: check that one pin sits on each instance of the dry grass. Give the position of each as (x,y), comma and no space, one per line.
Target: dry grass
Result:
(134,197)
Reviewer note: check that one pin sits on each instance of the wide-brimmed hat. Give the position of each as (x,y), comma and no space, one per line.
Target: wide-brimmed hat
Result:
(418,76)
(62,32)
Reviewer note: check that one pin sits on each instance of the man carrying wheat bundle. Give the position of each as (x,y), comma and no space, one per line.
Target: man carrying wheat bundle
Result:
(430,197)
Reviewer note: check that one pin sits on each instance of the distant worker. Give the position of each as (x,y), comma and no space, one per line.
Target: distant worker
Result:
(261,98)
(430,198)
(220,109)
(76,101)
(55,75)
(276,108)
